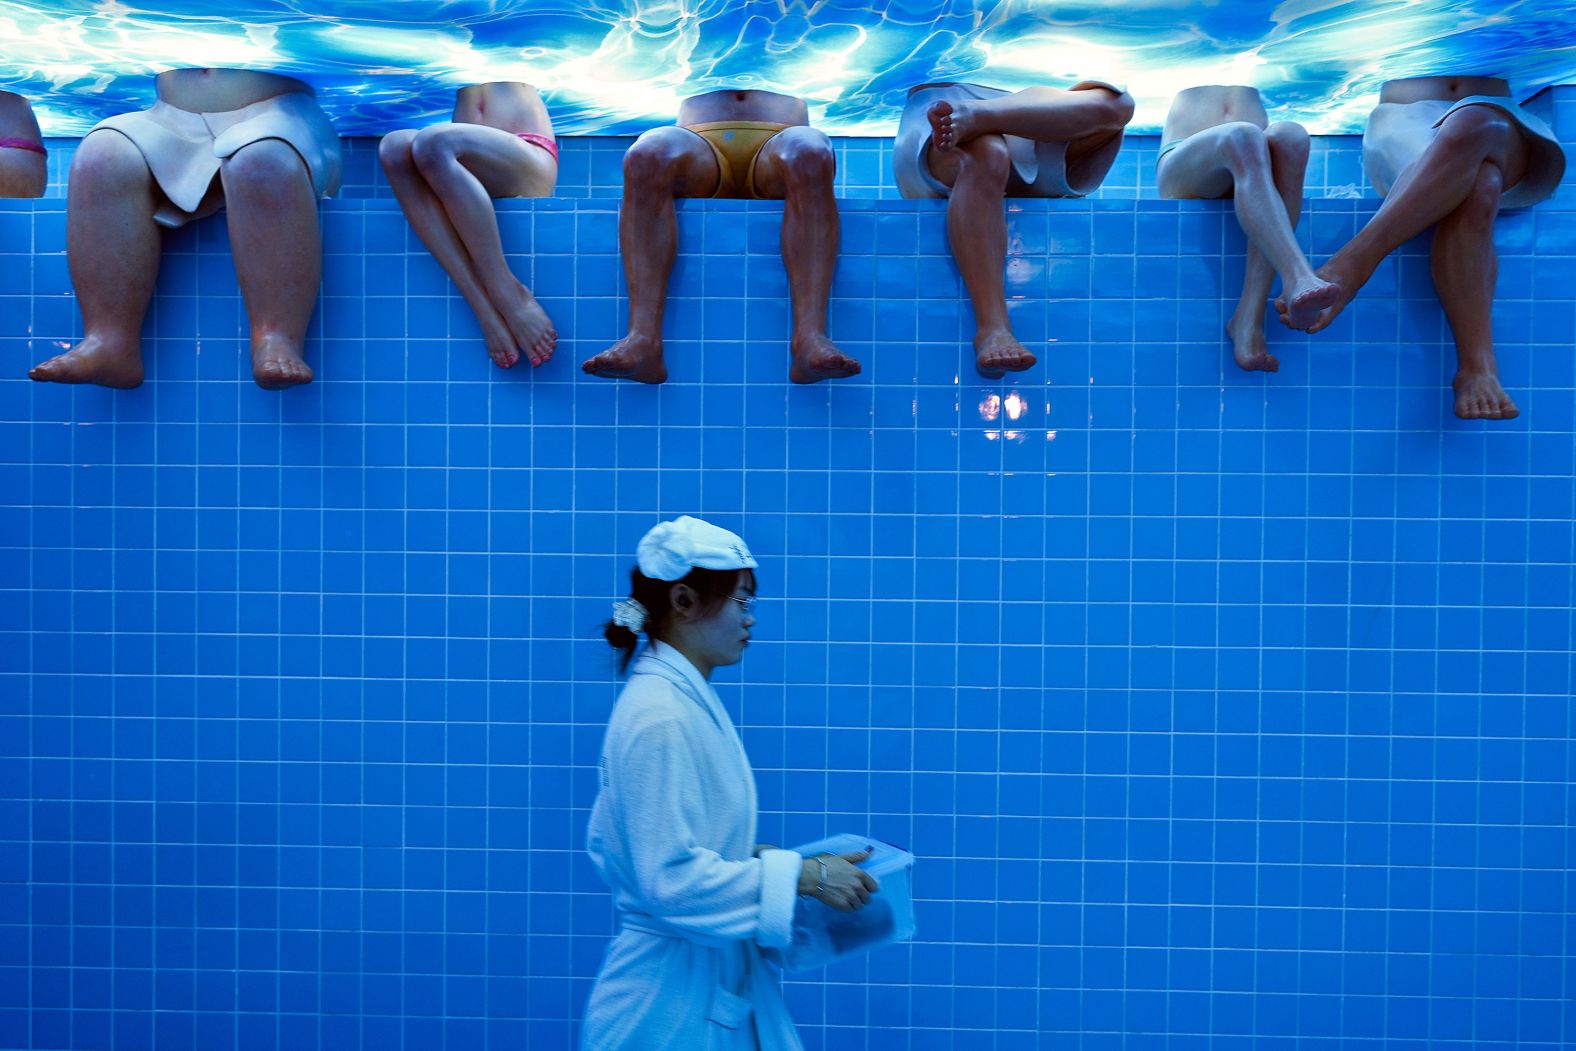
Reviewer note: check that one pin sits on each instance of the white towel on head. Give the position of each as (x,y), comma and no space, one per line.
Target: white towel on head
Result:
(671,549)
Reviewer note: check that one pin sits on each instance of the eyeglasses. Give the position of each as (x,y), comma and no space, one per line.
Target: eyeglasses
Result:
(749,602)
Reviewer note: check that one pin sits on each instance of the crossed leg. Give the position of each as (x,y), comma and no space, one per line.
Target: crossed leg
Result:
(1431,188)
(1262,170)
(797,166)
(1456,183)
(967,153)
(445,177)
(112,248)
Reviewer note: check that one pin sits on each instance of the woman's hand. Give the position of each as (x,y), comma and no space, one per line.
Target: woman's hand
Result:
(845,887)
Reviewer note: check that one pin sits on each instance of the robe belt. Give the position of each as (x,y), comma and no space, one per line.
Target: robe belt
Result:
(727,1008)
(637,921)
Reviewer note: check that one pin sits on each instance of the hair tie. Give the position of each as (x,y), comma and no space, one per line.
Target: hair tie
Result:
(629,613)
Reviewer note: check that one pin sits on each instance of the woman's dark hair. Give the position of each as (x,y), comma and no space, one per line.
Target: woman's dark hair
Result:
(713,586)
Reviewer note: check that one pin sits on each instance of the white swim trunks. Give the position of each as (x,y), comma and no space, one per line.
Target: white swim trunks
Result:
(1399,132)
(183,149)
(1039,169)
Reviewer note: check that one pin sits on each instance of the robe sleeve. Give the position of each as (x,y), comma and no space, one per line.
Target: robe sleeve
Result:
(660,803)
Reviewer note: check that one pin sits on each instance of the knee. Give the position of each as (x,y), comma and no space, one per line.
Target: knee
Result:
(1475,129)
(108,161)
(1482,201)
(1288,139)
(266,165)
(1245,146)
(988,156)
(430,152)
(807,159)
(651,163)
(395,148)
(1116,111)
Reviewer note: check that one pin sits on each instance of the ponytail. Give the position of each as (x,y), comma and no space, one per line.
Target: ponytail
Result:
(711,586)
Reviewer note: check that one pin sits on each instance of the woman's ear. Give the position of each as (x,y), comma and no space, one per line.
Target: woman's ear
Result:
(682,596)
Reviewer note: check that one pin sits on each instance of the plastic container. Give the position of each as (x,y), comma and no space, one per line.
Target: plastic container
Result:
(821,934)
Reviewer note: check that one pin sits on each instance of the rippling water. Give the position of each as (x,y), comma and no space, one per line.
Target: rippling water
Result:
(618,68)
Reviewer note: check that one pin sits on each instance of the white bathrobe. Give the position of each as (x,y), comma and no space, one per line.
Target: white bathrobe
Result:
(672,834)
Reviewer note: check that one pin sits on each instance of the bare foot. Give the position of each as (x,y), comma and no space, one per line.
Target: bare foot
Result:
(94,360)
(947,124)
(817,358)
(1307,300)
(277,364)
(500,345)
(529,325)
(1247,345)
(1345,284)
(631,358)
(997,352)
(1480,397)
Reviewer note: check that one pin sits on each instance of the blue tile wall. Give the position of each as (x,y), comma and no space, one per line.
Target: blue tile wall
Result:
(1222,710)
(592,166)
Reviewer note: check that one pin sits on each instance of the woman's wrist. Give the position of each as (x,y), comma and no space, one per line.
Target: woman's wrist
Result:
(812,877)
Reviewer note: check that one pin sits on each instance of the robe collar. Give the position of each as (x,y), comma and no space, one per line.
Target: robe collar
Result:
(668,663)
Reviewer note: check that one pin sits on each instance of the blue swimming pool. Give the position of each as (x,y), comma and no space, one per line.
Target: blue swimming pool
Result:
(619,68)
(1221,710)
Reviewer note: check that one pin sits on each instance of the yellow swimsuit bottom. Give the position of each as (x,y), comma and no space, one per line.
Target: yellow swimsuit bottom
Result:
(736,144)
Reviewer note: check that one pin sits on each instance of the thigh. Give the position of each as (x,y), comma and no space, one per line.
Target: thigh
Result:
(806,149)
(1057,114)
(675,159)
(109,165)
(105,155)
(1196,167)
(1507,142)
(506,165)
(23,173)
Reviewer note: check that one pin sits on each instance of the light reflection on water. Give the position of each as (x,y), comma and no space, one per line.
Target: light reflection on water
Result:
(618,68)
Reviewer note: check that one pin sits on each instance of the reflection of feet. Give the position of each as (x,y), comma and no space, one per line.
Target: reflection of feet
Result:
(1330,274)
(1480,397)
(631,358)
(1307,300)
(277,364)
(1247,344)
(997,352)
(948,124)
(94,360)
(817,358)
(529,325)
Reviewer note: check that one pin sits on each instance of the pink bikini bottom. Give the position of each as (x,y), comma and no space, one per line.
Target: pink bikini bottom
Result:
(543,141)
(21,144)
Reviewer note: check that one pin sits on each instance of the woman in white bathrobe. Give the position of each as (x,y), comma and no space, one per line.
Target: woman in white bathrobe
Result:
(673,829)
